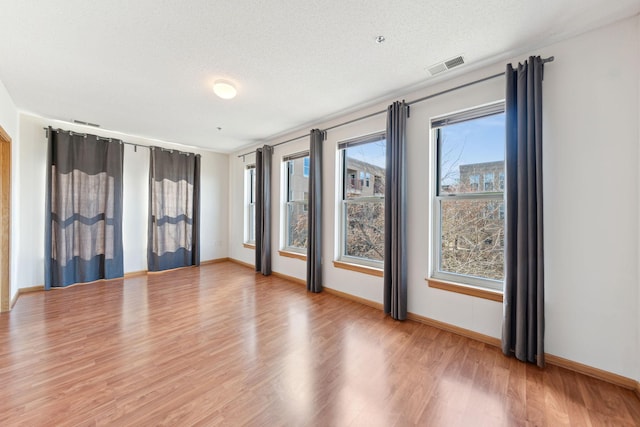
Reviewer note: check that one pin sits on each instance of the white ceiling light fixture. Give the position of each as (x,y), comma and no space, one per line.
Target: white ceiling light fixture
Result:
(224,89)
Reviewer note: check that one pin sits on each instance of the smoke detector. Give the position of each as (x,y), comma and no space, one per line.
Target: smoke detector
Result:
(443,66)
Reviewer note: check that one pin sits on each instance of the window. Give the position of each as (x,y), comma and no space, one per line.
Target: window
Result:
(468,207)
(474,182)
(250,206)
(488,181)
(296,173)
(362,205)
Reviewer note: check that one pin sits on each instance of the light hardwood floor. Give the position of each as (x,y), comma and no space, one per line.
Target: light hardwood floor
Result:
(220,345)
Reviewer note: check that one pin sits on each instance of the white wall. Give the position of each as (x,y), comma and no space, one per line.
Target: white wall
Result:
(8,113)
(9,122)
(30,207)
(591,159)
(591,203)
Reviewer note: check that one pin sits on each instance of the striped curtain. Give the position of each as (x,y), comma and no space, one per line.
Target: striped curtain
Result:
(174,210)
(83,230)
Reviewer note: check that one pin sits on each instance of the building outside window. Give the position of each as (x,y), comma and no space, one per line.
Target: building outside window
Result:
(296,174)
(250,206)
(362,205)
(468,244)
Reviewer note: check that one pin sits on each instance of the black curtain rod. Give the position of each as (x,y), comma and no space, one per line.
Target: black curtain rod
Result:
(415,101)
(135,146)
(97,136)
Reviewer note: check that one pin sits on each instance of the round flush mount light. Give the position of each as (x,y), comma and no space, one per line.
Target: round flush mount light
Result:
(224,89)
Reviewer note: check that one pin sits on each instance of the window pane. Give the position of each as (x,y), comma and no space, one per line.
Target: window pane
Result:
(362,225)
(472,238)
(365,163)
(364,230)
(250,193)
(297,225)
(471,155)
(252,181)
(305,167)
(252,223)
(298,179)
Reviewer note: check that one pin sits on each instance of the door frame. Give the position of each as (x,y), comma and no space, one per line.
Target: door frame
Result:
(5,219)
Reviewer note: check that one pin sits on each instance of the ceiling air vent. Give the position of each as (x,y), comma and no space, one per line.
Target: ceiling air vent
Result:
(446,65)
(80,122)
(454,62)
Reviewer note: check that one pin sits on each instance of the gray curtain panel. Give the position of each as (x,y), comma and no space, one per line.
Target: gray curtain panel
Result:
(395,213)
(263,210)
(174,210)
(523,326)
(83,230)
(314,239)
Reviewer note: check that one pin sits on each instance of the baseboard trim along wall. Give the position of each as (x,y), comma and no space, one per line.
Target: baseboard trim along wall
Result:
(214,261)
(22,291)
(590,371)
(135,274)
(242,263)
(290,278)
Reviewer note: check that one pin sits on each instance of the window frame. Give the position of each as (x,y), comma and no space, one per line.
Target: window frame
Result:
(343,202)
(497,194)
(287,169)
(249,204)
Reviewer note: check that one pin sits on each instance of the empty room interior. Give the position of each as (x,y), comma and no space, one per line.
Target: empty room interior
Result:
(320,213)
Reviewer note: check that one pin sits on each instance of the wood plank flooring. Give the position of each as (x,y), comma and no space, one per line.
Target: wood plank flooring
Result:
(220,345)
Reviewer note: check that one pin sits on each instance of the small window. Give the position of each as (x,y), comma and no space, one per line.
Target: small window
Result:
(469,206)
(362,205)
(488,181)
(250,207)
(296,173)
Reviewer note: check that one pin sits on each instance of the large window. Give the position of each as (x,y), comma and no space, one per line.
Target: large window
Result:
(250,206)
(469,197)
(296,172)
(362,206)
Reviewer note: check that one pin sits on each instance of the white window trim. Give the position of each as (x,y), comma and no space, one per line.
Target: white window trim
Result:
(341,220)
(453,277)
(286,203)
(343,232)
(248,206)
(436,240)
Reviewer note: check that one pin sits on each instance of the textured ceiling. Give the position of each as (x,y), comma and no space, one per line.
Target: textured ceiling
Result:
(146,67)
